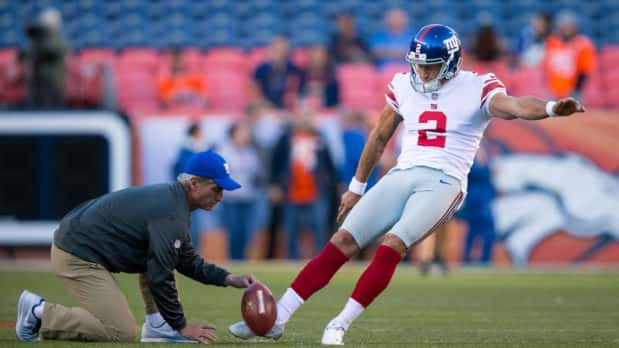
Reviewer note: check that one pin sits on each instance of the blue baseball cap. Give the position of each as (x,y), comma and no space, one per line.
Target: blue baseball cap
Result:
(209,164)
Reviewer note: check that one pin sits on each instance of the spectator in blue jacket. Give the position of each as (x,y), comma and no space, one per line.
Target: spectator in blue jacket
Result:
(354,136)
(390,45)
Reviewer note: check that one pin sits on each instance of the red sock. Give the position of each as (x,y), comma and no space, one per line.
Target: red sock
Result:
(319,271)
(376,277)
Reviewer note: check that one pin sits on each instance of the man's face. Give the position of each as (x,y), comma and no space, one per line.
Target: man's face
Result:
(279,49)
(396,21)
(568,30)
(427,72)
(205,195)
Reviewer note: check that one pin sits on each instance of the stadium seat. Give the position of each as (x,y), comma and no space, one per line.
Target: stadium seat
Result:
(226,58)
(98,57)
(138,58)
(359,84)
(232,90)
(136,88)
(530,81)
(387,72)
(500,69)
(7,55)
(609,58)
(13,87)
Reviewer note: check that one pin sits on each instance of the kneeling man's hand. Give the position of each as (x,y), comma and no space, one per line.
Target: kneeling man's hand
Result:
(241,281)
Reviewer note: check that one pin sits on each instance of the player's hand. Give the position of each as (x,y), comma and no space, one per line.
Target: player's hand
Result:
(241,281)
(202,333)
(349,199)
(567,106)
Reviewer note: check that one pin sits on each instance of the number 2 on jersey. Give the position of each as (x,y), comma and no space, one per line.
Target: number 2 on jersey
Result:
(436,140)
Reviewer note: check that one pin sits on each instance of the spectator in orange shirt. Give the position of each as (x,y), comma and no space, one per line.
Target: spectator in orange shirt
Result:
(181,87)
(570,57)
(303,173)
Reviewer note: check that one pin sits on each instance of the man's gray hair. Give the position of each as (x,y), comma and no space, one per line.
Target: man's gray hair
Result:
(184,179)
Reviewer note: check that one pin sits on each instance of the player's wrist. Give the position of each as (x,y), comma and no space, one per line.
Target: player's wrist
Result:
(550,108)
(357,186)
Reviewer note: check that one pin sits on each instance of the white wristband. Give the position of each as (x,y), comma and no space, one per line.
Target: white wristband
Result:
(549,108)
(357,187)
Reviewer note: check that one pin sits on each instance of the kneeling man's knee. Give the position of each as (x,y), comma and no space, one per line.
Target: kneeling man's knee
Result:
(126,333)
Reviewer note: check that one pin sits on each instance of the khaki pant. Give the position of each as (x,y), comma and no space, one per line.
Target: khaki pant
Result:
(103,314)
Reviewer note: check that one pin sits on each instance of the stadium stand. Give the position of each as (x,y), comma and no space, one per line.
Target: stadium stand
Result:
(225,40)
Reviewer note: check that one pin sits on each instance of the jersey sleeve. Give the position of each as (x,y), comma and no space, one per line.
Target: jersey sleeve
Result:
(491,86)
(391,95)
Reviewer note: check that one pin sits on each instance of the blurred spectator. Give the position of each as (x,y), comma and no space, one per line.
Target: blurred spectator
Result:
(267,129)
(320,79)
(302,174)
(532,39)
(46,54)
(239,207)
(570,57)
(354,136)
(346,46)
(477,210)
(191,145)
(487,46)
(390,46)
(180,87)
(278,81)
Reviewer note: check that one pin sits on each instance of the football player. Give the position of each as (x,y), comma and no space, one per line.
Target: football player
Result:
(445,112)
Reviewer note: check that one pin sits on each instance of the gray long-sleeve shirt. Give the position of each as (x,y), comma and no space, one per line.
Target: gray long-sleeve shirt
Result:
(140,230)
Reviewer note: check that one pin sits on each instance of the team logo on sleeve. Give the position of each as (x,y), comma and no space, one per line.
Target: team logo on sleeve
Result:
(177,244)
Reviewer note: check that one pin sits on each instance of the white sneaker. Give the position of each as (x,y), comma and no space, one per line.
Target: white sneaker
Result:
(334,333)
(242,331)
(27,325)
(161,334)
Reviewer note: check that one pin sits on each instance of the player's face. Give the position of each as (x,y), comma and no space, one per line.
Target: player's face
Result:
(427,72)
(206,195)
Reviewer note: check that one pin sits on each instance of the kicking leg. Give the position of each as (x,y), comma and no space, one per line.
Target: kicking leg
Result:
(314,276)
(372,282)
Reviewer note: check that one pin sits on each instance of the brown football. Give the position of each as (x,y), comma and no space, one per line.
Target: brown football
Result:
(259,309)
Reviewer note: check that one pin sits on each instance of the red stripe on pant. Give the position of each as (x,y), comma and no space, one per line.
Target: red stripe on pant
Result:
(444,218)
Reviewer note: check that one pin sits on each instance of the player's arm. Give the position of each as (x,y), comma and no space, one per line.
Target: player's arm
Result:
(377,141)
(195,267)
(372,151)
(531,108)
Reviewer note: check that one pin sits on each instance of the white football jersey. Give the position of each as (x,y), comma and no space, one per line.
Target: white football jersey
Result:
(442,129)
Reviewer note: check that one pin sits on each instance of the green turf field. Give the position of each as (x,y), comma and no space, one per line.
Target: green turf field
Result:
(468,308)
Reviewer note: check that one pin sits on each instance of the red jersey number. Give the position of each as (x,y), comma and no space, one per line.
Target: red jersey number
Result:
(436,139)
